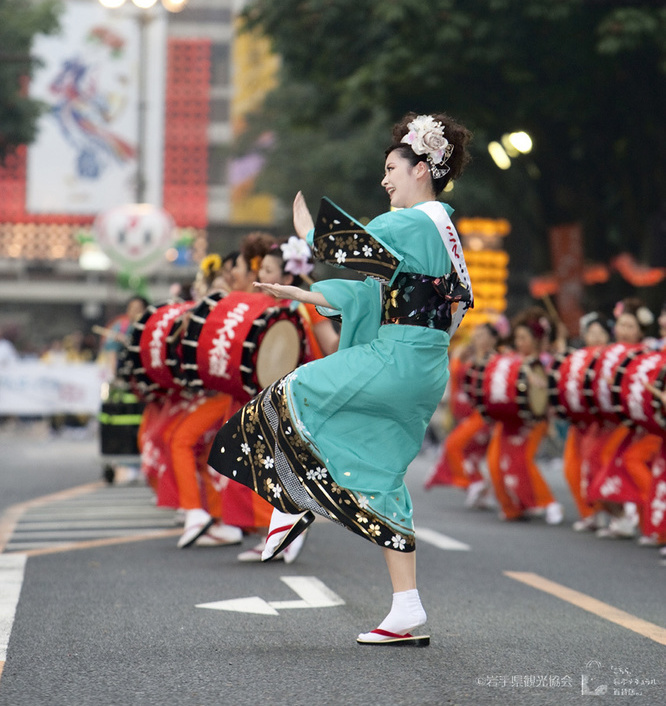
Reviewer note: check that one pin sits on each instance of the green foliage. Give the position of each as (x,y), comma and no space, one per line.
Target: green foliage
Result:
(20,21)
(584,78)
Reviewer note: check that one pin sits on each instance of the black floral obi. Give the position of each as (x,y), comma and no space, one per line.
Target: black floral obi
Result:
(419,300)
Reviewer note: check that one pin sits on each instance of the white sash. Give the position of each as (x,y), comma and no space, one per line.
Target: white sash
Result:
(438,215)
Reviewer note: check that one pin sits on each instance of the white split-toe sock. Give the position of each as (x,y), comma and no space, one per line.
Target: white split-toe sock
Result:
(197,522)
(405,616)
(281,526)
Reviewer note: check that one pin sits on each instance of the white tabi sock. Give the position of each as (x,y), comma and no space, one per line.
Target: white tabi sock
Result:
(406,615)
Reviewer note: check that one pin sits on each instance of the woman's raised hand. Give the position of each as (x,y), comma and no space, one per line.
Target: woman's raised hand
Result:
(303,222)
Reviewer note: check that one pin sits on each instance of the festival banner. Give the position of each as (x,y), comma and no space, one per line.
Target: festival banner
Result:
(35,388)
(85,157)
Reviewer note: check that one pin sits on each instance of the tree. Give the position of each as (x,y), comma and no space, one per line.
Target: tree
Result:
(19,22)
(585,78)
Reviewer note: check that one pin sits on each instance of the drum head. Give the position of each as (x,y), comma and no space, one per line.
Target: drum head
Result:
(538,400)
(279,352)
(537,391)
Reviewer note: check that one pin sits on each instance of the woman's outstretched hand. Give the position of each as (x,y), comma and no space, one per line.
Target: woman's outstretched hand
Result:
(288,291)
(281,291)
(303,222)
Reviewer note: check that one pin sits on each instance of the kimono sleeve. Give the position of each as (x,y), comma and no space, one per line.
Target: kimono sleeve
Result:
(339,240)
(358,303)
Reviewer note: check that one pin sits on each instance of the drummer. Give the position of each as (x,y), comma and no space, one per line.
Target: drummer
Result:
(628,452)
(596,331)
(290,262)
(465,446)
(216,518)
(519,486)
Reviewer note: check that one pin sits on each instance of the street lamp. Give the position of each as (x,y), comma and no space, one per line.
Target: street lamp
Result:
(170,5)
(143,17)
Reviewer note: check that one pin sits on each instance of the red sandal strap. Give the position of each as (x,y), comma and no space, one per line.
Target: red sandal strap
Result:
(386,633)
(279,529)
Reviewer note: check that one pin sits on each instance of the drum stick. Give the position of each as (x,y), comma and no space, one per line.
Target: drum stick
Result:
(110,333)
(550,307)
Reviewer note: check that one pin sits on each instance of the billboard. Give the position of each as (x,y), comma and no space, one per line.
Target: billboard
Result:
(86,156)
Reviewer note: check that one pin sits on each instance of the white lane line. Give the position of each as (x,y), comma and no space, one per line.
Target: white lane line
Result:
(93,524)
(84,512)
(12,568)
(441,541)
(71,534)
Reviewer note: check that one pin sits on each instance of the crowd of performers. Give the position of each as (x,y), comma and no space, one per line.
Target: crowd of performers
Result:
(195,361)
(250,378)
(512,384)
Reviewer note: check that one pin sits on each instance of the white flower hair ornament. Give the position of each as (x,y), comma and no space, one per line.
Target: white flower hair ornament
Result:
(426,136)
(297,256)
(644,316)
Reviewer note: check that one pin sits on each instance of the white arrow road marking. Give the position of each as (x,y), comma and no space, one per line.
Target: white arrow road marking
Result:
(253,604)
(313,593)
(441,541)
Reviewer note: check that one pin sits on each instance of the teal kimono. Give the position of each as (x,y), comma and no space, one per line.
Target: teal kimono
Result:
(336,435)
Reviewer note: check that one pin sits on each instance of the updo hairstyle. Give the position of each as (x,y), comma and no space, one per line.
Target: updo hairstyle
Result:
(457,135)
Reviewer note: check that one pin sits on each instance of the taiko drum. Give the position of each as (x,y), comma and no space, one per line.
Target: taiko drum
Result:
(567,380)
(513,389)
(638,403)
(240,344)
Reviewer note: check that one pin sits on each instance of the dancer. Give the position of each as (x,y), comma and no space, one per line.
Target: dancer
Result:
(336,436)
(189,438)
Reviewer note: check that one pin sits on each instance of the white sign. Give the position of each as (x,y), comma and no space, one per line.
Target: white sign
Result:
(84,159)
(313,594)
(34,388)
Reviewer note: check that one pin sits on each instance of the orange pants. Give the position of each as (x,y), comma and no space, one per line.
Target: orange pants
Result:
(199,487)
(638,459)
(453,466)
(516,478)
(573,471)
(189,451)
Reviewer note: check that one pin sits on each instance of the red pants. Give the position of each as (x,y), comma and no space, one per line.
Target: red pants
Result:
(516,478)
(156,464)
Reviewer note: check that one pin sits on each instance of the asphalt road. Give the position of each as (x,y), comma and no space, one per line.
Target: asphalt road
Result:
(119,622)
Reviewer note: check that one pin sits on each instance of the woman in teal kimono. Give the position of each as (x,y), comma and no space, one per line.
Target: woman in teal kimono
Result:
(335,437)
